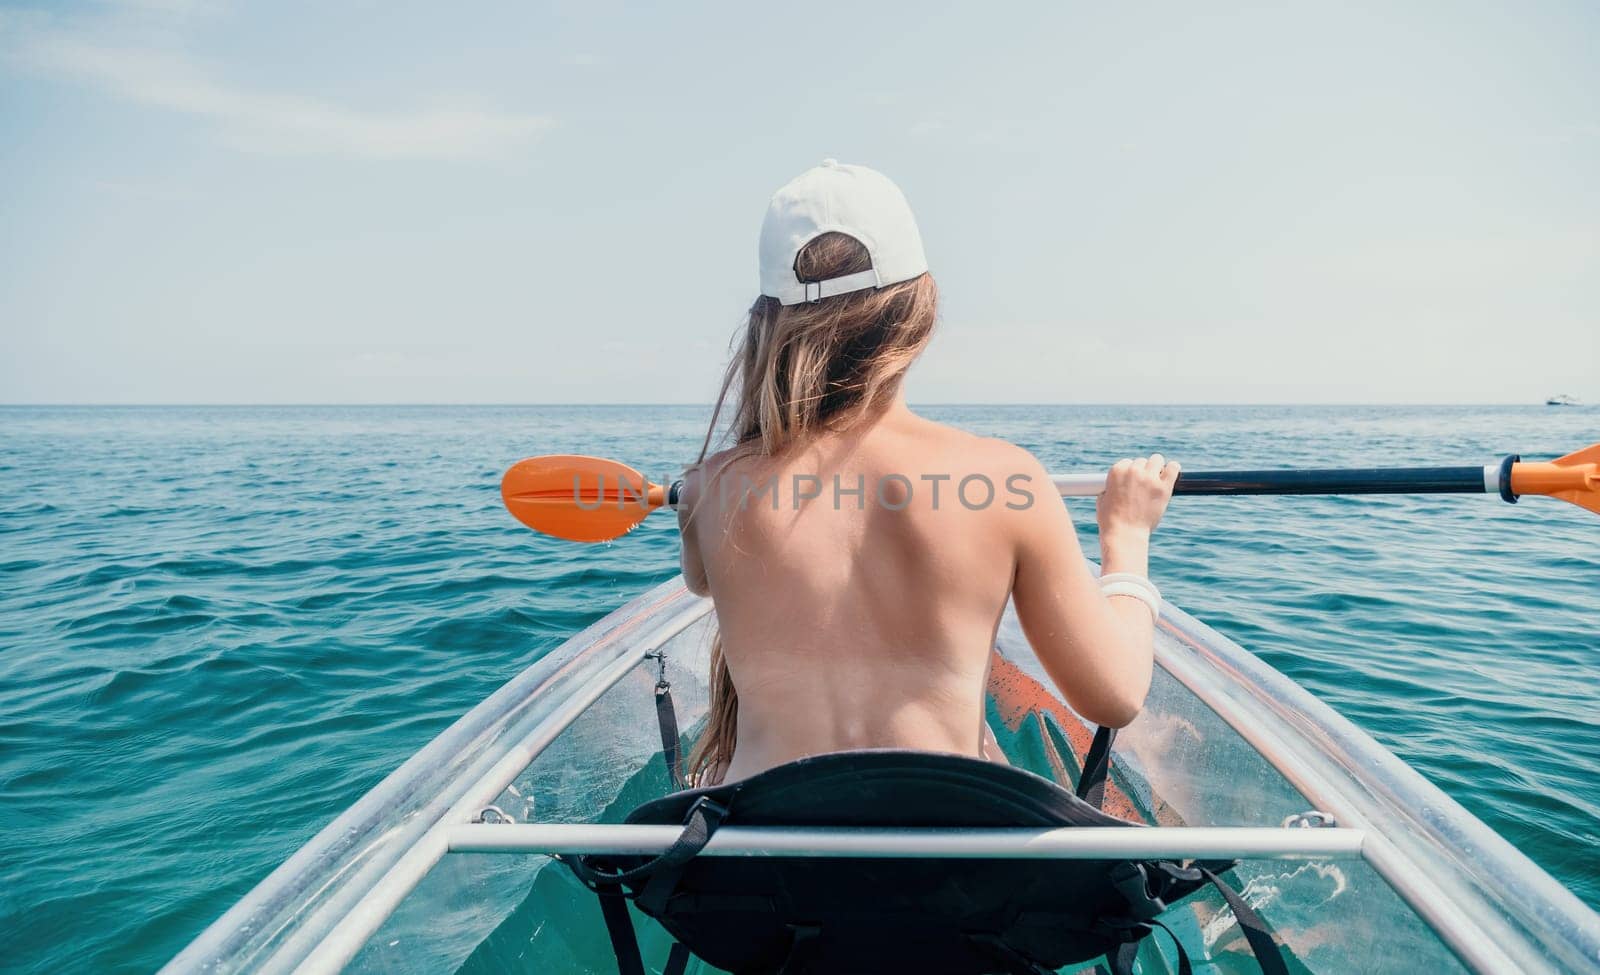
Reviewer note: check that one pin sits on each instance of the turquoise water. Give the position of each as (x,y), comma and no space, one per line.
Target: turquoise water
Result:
(219,626)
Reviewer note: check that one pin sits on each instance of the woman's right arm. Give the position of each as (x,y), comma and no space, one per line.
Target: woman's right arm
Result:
(1098,650)
(690,559)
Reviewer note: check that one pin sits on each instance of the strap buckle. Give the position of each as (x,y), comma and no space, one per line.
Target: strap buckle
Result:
(715,812)
(660,658)
(1132,883)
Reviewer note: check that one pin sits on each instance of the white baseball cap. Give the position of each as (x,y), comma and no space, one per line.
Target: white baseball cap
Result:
(838,198)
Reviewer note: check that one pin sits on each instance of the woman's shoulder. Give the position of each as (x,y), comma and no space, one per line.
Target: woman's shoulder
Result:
(727,464)
(714,465)
(980,454)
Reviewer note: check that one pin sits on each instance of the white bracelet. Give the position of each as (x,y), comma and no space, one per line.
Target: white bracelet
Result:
(1128,584)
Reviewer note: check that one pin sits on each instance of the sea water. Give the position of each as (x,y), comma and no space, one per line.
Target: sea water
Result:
(220,626)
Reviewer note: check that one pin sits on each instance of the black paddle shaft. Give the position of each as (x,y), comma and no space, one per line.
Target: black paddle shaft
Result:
(1368,480)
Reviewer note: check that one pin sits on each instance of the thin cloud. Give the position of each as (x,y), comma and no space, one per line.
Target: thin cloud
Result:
(268,122)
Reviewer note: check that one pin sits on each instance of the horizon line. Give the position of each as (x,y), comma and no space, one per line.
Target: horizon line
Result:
(707,405)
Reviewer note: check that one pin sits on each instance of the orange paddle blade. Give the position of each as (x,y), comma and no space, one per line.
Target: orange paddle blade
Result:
(1575,478)
(581,499)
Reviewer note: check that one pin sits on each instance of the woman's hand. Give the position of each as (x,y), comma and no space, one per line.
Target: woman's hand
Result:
(1135,498)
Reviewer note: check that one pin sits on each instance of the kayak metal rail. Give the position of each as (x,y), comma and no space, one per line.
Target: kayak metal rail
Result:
(1075,843)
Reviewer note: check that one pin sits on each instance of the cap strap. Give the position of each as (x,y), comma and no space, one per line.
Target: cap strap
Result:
(818,290)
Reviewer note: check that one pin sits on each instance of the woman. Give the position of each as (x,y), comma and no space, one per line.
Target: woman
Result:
(860,556)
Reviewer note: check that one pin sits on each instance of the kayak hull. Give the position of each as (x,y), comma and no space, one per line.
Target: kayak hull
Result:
(1224,741)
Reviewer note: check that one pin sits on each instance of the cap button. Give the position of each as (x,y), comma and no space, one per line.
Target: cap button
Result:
(830,163)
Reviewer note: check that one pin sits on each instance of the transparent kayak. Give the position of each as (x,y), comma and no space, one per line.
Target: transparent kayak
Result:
(1354,860)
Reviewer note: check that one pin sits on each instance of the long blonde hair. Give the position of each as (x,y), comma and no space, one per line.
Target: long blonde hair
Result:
(798,371)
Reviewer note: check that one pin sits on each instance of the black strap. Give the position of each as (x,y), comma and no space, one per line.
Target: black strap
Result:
(677,959)
(668,719)
(625,944)
(1122,958)
(662,872)
(704,818)
(1184,968)
(699,823)
(1268,955)
(1096,766)
(614,905)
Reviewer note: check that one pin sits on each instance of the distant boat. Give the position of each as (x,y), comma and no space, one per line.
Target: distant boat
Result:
(1562,400)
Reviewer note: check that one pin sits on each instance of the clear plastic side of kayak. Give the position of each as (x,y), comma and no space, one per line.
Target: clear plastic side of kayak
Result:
(314,911)
(1223,741)
(1493,907)
(532,915)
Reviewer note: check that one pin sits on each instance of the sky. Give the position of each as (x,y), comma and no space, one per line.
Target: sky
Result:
(204,201)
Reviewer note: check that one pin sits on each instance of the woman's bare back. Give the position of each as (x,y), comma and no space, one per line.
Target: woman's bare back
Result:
(856,594)
(859,583)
